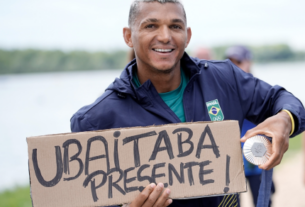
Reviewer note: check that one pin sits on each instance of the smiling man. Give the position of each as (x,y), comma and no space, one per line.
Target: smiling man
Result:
(164,85)
(158,56)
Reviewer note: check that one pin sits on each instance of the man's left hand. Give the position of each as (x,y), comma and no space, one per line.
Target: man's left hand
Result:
(278,127)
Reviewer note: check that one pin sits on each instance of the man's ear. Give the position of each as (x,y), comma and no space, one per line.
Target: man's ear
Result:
(127,36)
(189,36)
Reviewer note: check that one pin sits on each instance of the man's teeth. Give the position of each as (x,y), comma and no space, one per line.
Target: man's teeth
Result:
(163,50)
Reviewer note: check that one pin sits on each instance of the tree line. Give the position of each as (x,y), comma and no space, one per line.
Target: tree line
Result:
(267,53)
(34,61)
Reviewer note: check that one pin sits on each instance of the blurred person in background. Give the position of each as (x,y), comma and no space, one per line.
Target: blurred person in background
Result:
(203,53)
(241,56)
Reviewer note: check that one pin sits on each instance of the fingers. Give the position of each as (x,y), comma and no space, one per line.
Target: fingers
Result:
(155,199)
(143,196)
(164,199)
(278,127)
(150,197)
(253,132)
(279,147)
(168,202)
(274,160)
(151,200)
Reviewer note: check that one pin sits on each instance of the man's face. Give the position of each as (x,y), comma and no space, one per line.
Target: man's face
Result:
(159,35)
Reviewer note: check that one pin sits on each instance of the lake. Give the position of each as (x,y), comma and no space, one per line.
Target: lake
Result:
(39,104)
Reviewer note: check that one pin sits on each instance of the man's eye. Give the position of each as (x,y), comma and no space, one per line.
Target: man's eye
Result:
(176,27)
(150,26)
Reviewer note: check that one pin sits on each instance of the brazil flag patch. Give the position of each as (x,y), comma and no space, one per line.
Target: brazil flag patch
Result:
(215,111)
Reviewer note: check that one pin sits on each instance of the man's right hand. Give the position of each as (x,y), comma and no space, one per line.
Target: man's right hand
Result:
(152,196)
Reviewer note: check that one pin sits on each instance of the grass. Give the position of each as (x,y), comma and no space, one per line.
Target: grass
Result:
(17,197)
(295,146)
(295,143)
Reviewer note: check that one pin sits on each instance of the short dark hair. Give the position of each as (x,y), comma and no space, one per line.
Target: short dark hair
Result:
(134,8)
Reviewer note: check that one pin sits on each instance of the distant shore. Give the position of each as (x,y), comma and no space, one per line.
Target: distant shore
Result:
(36,61)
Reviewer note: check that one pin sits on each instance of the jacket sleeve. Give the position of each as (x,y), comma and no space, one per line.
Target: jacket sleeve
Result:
(80,124)
(259,100)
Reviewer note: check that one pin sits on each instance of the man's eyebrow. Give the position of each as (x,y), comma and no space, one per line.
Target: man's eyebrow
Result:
(178,21)
(152,20)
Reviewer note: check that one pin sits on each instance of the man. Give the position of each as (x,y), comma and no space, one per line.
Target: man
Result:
(241,56)
(164,85)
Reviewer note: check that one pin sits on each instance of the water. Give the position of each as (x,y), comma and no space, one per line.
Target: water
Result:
(39,104)
(289,75)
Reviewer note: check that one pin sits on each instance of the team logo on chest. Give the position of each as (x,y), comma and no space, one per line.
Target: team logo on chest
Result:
(215,111)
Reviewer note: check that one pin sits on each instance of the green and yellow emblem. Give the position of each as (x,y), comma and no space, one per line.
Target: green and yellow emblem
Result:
(215,111)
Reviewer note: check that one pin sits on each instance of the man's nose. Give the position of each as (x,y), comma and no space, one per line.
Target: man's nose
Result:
(164,35)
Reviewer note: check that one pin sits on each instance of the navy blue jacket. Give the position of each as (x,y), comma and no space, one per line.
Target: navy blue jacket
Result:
(240,95)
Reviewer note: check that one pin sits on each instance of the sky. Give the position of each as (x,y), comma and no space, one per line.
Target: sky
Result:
(98,24)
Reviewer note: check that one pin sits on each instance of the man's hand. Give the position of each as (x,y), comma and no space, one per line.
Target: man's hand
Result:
(278,127)
(150,197)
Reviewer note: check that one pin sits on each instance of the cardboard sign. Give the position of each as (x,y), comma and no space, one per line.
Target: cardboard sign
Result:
(102,168)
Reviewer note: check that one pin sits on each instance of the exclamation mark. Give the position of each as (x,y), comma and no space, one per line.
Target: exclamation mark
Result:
(226,189)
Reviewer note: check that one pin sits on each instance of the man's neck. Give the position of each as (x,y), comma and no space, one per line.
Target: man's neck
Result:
(162,81)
